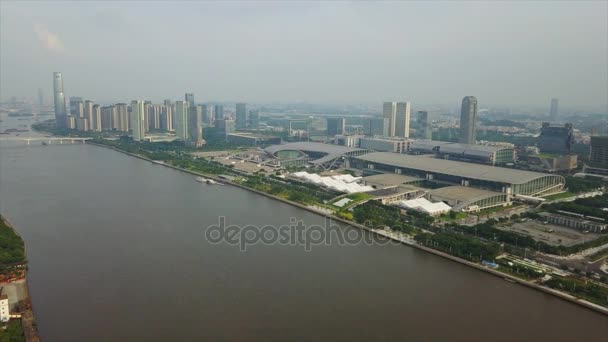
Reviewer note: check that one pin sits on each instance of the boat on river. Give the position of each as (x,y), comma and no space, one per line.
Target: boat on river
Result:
(207,180)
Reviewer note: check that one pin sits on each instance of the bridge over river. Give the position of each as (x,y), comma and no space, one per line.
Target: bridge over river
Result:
(48,140)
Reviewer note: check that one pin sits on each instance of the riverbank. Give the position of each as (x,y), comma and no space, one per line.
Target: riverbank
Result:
(20,303)
(559,294)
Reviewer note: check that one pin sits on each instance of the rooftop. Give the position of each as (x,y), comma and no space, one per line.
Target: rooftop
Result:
(331,151)
(390,179)
(450,147)
(454,168)
(463,193)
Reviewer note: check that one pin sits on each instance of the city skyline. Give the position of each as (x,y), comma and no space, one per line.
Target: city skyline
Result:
(489,63)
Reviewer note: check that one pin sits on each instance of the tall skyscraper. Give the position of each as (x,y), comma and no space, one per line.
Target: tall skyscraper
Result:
(167,116)
(468,118)
(254,119)
(108,117)
(376,126)
(389,111)
(218,116)
(181,119)
(335,126)
(190,98)
(241,116)
(402,120)
(424,125)
(59,99)
(76,107)
(40,97)
(553,110)
(124,121)
(137,120)
(195,126)
(88,113)
(96,118)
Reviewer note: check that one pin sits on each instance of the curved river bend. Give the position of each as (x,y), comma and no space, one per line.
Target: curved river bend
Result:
(117,252)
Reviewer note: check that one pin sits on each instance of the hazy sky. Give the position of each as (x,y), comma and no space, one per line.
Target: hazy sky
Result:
(505,53)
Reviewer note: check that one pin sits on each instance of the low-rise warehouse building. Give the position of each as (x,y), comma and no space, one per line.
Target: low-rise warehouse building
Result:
(468,199)
(397,193)
(576,223)
(508,181)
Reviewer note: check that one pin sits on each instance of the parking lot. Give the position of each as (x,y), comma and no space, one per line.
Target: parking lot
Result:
(550,234)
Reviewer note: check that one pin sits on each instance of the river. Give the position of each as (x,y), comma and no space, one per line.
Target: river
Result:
(117,252)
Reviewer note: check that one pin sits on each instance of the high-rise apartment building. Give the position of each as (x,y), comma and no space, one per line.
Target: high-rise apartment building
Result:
(389,112)
(137,120)
(553,110)
(468,119)
(88,113)
(181,119)
(335,126)
(402,120)
(241,116)
(167,116)
(424,125)
(96,118)
(108,118)
(59,100)
(76,107)
(124,122)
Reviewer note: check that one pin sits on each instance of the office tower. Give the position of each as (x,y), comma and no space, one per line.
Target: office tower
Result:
(218,116)
(59,100)
(137,120)
(468,118)
(40,97)
(553,110)
(155,114)
(226,126)
(335,126)
(402,120)
(88,113)
(241,116)
(181,119)
(424,125)
(376,126)
(96,118)
(598,155)
(124,121)
(195,126)
(190,98)
(389,111)
(206,116)
(76,107)
(555,139)
(254,119)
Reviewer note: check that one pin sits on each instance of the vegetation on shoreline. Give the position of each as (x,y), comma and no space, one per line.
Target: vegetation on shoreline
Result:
(13,332)
(12,249)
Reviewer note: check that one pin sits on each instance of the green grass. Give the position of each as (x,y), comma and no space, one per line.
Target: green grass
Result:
(559,196)
(446,217)
(13,332)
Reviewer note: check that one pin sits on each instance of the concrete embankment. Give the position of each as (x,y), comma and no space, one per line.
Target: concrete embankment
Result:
(479,267)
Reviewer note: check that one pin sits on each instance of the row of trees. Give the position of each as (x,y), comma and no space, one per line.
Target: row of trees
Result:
(12,249)
(460,245)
